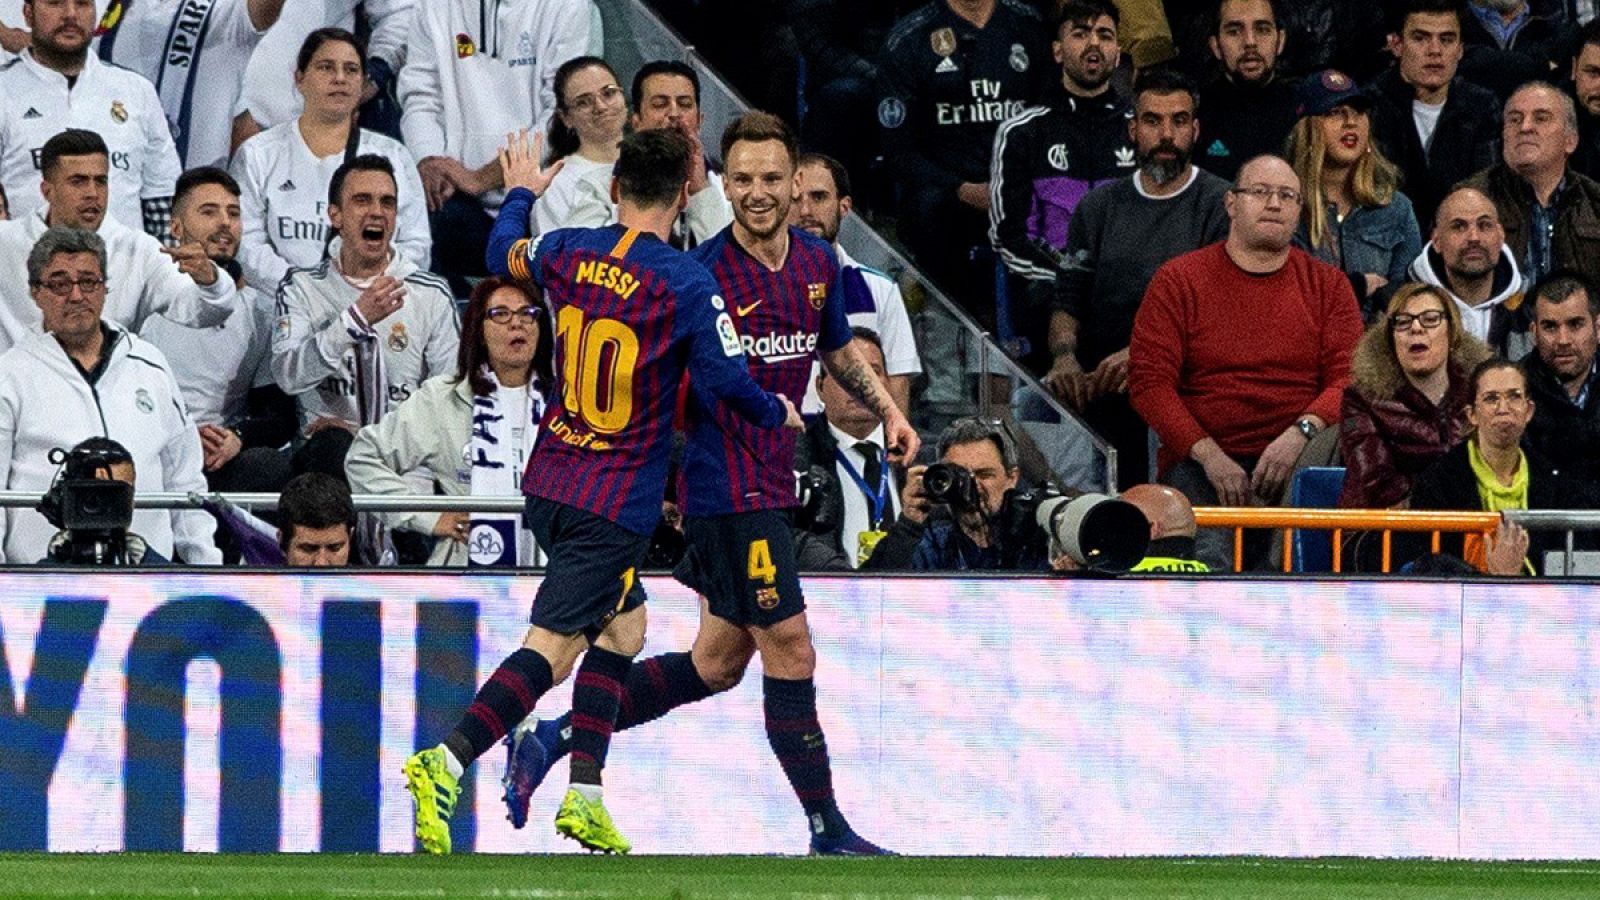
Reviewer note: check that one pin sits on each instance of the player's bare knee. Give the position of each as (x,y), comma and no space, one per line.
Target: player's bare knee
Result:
(786,650)
(559,650)
(625,633)
(722,673)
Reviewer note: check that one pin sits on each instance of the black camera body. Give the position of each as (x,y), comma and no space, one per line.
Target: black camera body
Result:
(821,509)
(93,510)
(953,486)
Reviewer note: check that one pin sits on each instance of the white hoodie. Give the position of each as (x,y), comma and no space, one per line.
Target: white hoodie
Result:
(140,281)
(46,402)
(1476,320)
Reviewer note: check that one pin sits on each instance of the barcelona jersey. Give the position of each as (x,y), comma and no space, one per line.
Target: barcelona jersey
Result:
(784,319)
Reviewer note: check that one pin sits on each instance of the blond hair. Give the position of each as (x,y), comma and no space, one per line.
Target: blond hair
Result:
(1373,180)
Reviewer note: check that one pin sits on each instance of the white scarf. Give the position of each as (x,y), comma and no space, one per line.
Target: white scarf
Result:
(498,539)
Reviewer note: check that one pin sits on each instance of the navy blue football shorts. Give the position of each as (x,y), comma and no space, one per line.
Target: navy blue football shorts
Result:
(744,565)
(592,569)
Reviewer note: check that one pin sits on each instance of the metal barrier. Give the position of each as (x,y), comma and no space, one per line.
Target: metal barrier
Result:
(1388,521)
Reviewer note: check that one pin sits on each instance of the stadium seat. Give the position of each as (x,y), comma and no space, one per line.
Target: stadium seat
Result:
(1316,487)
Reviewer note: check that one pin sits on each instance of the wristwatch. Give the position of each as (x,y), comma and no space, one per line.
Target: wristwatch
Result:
(1307,428)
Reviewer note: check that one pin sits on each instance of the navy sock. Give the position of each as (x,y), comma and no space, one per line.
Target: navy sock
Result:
(503,701)
(797,740)
(595,698)
(652,689)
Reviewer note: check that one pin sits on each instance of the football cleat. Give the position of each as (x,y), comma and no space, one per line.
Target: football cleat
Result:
(847,844)
(588,823)
(531,751)
(434,790)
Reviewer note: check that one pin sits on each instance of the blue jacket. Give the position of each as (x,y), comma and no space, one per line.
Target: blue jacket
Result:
(1383,240)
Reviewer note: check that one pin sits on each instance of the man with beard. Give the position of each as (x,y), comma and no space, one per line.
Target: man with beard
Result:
(1046,159)
(1468,257)
(1562,378)
(223,370)
(1436,127)
(1121,234)
(57,83)
(147,278)
(872,299)
(1585,89)
(1248,108)
(1241,353)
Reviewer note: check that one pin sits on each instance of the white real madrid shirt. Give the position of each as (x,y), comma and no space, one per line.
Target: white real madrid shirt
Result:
(37,103)
(194,52)
(314,338)
(283,202)
(216,366)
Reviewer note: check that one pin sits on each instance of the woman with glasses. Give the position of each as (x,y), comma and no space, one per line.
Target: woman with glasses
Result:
(1354,216)
(585,134)
(469,433)
(1408,396)
(284,172)
(1492,472)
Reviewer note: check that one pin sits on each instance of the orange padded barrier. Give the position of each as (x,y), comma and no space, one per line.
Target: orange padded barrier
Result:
(1339,521)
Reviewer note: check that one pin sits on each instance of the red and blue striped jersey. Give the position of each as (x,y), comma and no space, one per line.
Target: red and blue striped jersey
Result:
(784,318)
(632,317)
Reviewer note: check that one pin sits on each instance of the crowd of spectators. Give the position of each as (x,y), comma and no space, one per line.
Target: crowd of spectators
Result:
(1194,208)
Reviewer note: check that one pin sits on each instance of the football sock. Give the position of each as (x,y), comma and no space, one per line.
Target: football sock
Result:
(595,698)
(797,740)
(503,701)
(652,689)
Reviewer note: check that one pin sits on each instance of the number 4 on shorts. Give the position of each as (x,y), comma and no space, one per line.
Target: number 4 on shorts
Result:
(761,567)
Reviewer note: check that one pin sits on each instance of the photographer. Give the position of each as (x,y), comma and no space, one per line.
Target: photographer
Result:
(92,503)
(953,514)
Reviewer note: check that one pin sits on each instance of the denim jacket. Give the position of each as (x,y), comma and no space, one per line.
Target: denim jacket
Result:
(1383,240)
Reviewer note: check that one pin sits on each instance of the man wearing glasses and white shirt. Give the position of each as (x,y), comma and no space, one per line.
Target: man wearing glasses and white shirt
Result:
(1241,352)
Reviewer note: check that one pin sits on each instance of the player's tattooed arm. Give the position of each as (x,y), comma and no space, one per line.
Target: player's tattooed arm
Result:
(849,368)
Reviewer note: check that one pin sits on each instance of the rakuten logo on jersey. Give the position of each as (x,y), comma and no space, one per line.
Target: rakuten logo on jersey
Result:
(779,347)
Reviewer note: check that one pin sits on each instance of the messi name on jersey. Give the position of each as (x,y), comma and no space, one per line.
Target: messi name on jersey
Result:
(604,274)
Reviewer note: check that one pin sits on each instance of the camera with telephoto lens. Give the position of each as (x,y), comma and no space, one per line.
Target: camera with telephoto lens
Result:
(953,486)
(1099,533)
(92,509)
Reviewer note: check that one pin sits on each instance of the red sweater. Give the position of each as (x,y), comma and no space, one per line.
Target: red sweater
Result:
(1218,352)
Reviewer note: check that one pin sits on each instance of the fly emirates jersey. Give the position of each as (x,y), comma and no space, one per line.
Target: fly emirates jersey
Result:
(633,316)
(121,106)
(283,201)
(784,318)
(194,52)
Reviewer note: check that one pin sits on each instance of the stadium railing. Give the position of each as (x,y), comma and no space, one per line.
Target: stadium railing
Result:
(965,372)
(1386,522)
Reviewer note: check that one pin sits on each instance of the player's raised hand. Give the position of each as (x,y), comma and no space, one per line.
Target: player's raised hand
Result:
(791,418)
(192,260)
(902,439)
(519,163)
(381,299)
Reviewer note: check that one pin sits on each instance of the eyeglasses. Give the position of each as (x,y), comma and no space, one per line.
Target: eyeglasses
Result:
(1493,399)
(1260,193)
(503,314)
(62,287)
(1430,320)
(588,103)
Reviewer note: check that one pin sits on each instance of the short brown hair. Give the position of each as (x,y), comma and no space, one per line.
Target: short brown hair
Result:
(756,126)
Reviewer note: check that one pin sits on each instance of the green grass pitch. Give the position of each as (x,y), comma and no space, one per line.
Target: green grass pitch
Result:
(756,878)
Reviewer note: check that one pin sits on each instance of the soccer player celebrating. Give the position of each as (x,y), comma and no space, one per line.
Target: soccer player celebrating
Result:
(632,316)
(782,284)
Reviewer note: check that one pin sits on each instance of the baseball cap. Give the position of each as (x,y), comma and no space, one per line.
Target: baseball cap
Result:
(1320,92)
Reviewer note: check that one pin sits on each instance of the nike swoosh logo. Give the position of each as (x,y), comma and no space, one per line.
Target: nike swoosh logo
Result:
(746,310)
